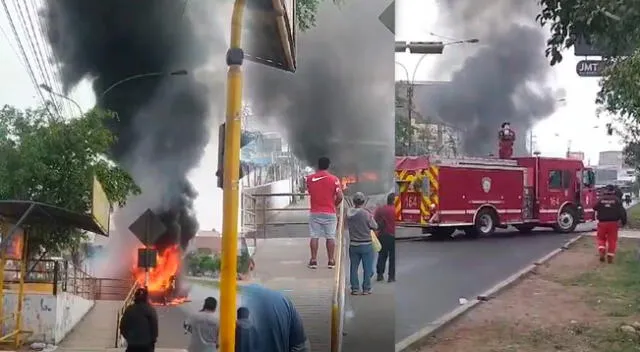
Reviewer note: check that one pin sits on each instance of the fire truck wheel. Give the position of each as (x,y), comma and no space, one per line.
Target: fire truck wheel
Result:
(567,220)
(486,220)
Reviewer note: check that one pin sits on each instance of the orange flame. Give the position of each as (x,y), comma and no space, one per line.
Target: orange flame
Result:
(365,176)
(162,278)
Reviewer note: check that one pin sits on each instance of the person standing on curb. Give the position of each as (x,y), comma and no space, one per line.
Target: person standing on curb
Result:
(609,213)
(139,323)
(360,223)
(203,327)
(385,217)
(325,194)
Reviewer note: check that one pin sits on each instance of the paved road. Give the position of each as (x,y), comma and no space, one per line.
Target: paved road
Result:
(432,275)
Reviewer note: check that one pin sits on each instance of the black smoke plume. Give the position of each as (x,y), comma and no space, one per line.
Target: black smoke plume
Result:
(503,78)
(339,102)
(162,120)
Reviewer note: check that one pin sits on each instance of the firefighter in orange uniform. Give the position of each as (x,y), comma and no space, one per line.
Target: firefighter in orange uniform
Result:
(609,212)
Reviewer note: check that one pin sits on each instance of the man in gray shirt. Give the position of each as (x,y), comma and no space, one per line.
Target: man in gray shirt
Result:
(360,222)
(204,327)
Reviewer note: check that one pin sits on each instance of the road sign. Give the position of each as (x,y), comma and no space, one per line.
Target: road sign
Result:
(585,47)
(590,68)
(147,258)
(388,17)
(148,228)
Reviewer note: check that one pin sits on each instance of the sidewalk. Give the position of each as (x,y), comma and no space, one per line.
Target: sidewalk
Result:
(281,265)
(370,321)
(96,330)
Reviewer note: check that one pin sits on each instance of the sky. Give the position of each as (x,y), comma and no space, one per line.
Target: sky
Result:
(573,123)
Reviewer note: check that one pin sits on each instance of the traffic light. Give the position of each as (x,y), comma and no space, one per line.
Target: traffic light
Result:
(245,139)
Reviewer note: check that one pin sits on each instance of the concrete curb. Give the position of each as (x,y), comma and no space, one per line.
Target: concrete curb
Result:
(419,337)
(411,238)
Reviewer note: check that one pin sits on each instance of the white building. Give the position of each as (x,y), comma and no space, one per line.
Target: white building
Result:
(611,158)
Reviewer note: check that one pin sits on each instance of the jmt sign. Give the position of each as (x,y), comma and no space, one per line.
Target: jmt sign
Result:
(590,68)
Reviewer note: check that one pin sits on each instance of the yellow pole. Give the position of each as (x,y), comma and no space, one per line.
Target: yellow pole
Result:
(23,272)
(231,173)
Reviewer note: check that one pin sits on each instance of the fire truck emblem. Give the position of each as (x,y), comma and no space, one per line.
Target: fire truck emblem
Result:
(486,184)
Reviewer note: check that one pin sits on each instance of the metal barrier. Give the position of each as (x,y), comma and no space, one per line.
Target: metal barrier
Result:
(338,303)
(248,216)
(107,289)
(119,340)
(264,212)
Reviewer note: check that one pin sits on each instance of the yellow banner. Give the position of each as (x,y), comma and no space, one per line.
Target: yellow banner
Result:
(100,206)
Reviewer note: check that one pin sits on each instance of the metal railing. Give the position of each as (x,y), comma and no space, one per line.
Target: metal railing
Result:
(264,212)
(109,289)
(248,213)
(119,340)
(52,276)
(339,287)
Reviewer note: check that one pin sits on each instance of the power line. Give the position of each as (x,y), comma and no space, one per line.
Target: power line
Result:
(44,48)
(23,53)
(30,36)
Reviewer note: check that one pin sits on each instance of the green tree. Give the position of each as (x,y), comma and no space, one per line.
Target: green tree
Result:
(53,160)
(193,263)
(209,263)
(306,11)
(612,26)
(206,263)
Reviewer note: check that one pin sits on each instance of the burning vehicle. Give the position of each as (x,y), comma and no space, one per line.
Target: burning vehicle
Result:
(357,170)
(164,281)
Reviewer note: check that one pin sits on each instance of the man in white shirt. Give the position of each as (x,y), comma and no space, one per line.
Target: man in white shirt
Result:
(204,326)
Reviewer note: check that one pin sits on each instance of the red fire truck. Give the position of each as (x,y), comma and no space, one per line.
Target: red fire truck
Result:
(478,195)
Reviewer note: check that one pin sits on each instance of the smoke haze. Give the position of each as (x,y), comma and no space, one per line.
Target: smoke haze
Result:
(164,121)
(504,78)
(339,103)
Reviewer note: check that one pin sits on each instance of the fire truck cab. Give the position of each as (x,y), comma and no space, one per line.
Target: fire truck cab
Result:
(478,195)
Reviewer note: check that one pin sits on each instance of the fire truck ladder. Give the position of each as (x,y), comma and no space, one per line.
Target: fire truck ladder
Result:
(467,161)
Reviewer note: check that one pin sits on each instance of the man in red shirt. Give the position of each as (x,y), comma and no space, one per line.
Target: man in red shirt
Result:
(385,217)
(325,194)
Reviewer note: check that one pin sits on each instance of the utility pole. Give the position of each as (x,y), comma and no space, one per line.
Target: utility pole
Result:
(531,142)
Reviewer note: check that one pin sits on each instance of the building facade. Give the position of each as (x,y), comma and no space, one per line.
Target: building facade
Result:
(431,135)
(611,158)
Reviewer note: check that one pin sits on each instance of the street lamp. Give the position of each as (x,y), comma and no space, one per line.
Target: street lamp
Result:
(49,90)
(429,47)
(142,75)
(424,48)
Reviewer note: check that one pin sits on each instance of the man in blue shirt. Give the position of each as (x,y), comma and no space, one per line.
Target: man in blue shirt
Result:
(277,322)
